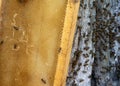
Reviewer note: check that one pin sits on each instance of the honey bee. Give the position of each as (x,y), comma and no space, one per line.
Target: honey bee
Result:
(80,27)
(22,1)
(75,1)
(108,5)
(94,3)
(87,61)
(86,40)
(78,69)
(82,1)
(75,73)
(86,55)
(15,46)
(105,48)
(84,71)
(89,76)
(90,16)
(69,77)
(84,35)
(119,14)
(59,50)
(89,23)
(74,84)
(79,64)
(85,64)
(81,80)
(16,28)
(106,68)
(81,5)
(79,17)
(91,52)
(1,42)
(102,1)
(103,72)
(112,53)
(43,81)
(85,6)
(86,48)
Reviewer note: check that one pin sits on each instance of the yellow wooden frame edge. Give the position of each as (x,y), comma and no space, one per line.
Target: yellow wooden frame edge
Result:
(66,42)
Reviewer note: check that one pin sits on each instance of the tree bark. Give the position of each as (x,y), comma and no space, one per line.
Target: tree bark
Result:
(96,48)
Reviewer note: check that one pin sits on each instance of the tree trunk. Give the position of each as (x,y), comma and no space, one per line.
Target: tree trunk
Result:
(95,54)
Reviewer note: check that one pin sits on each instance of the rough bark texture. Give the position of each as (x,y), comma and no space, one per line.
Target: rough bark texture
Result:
(95,58)
(81,65)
